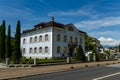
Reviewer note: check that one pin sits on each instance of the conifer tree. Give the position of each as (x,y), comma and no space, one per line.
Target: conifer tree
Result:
(16,52)
(8,43)
(80,54)
(0,43)
(2,40)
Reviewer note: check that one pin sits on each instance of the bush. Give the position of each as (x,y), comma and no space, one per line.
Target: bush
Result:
(23,60)
(12,62)
(50,61)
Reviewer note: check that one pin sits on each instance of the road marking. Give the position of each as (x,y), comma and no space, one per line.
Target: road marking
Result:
(106,76)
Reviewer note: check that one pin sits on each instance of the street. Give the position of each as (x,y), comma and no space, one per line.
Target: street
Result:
(110,72)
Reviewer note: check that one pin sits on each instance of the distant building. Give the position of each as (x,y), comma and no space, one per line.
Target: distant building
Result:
(50,40)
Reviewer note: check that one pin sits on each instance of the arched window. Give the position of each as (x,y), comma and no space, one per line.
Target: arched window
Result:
(24,51)
(46,37)
(35,39)
(35,50)
(31,40)
(46,49)
(40,49)
(65,38)
(40,38)
(58,37)
(58,49)
(31,51)
(24,41)
(65,50)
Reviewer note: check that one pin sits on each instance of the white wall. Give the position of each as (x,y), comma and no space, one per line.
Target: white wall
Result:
(38,44)
(52,43)
(63,44)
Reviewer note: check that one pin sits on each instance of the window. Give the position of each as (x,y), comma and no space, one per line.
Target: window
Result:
(31,51)
(46,37)
(40,50)
(35,50)
(31,40)
(46,49)
(35,39)
(80,40)
(76,40)
(65,38)
(58,37)
(71,39)
(58,49)
(65,50)
(40,38)
(70,29)
(23,41)
(24,50)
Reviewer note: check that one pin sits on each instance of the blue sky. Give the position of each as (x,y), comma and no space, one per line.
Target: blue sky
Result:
(99,18)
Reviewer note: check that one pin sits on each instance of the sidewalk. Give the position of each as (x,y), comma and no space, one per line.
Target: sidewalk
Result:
(11,73)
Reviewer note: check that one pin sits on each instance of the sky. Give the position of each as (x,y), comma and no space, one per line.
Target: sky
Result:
(99,18)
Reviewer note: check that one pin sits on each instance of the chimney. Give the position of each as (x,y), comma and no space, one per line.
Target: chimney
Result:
(52,18)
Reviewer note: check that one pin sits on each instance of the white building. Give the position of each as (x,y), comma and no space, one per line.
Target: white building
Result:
(50,40)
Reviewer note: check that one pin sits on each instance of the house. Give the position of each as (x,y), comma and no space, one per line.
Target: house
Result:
(50,40)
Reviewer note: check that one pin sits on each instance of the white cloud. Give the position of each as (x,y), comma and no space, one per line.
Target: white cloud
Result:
(70,13)
(13,12)
(109,41)
(98,23)
(105,33)
(42,1)
(86,10)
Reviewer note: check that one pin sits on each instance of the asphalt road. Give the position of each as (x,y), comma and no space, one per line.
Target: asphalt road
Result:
(111,72)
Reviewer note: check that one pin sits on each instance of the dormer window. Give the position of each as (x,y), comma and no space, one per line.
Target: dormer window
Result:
(70,29)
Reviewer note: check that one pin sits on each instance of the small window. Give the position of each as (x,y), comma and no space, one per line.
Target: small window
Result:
(24,50)
(71,39)
(58,37)
(65,38)
(46,49)
(76,40)
(35,39)
(65,50)
(31,40)
(24,41)
(46,37)
(40,50)
(70,29)
(58,49)
(40,38)
(80,40)
(31,51)
(35,50)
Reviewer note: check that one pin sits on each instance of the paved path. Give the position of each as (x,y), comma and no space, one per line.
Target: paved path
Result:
(21,72)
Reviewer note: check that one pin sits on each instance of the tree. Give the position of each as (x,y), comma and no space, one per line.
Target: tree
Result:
(89,46)
(80,54)
(2,40)
(16,52)
(0,43)
(95,55)
(119,47)
(107,52)
(8,43)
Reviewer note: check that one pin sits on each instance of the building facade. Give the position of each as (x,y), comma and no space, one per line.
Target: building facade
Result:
(50,40)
